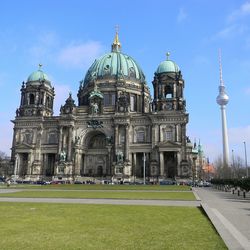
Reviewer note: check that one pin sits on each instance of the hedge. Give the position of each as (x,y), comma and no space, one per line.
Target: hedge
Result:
(242,183)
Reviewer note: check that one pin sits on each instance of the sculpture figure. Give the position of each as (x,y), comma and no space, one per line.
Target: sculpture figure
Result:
(63,156)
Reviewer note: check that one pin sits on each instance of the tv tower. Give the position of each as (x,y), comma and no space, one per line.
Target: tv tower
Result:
(222,99)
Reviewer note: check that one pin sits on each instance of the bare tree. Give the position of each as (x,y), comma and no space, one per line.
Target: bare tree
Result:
(2,155)
(221,170)
(4,164)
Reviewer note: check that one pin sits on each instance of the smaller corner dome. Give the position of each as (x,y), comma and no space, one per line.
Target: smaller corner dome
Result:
(38,77)
(168,66)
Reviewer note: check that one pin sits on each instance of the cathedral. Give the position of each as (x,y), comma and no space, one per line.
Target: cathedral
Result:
(116,130)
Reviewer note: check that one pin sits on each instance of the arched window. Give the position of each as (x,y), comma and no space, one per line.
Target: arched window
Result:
(47,102)
(169,91)
(122,136)
(52,138)
(109,99)
(41,98)
(140,136)
(132,103)
(168,135)
(32,99)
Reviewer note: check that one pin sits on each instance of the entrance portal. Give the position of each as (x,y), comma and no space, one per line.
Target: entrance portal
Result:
(95,160)
(170,164)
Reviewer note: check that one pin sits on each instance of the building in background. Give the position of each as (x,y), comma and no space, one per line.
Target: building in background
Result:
(116,130)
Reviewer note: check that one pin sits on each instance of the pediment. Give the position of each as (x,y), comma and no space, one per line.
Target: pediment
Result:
(24,146)
(169,144)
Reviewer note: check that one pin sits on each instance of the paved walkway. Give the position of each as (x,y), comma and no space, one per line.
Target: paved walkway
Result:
(230,214)
(105,201)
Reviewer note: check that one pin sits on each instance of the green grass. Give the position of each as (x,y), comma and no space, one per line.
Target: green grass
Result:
(141,195)
(66,226)
(102,187)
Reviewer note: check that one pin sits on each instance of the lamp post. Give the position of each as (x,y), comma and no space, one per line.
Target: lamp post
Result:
(16,166)
(144,168)
(194,170)
(233,165)
(246,157)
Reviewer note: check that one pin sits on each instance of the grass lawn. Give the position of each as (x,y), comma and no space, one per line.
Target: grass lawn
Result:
(101,187)
(67,226)
(138,195)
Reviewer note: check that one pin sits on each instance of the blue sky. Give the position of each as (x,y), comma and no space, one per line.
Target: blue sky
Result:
(66,37)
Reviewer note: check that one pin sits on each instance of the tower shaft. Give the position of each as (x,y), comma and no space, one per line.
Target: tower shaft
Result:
(224,136)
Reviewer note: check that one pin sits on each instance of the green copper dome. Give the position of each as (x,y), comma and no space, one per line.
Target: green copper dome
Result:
(114,65)
(168,66)
(38,77)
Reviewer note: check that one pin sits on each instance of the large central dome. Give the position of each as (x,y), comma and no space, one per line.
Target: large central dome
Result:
(114,65)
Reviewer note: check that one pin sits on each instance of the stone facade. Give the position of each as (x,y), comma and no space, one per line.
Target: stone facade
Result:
(116,130)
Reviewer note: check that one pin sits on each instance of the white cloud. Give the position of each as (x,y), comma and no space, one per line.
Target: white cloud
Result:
(242,11)
(182,15)
(231,31)
(80,55)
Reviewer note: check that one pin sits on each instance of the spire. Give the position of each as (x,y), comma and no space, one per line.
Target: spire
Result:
(116,46)
(221,79)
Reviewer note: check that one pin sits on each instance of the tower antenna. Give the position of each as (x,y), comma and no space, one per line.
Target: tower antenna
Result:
(221,79)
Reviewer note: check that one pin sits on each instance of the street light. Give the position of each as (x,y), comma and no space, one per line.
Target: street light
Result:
(233,165)
(144,168)
(246,157)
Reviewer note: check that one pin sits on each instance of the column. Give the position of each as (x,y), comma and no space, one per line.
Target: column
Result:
(176,133)
(178,163)
(162,92)
(183,131)
(153,135)
(156,90)
(17,162)
(109,164)
(76,169)
(116,140)
(60,139)
(156,134)
(161,163)
(174,91)
(29,166)
(126,142)
(160,135)
(69,158)
(134,162)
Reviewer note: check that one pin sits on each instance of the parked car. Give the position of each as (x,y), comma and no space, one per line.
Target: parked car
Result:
(40,182)
(79,182)
(167,182)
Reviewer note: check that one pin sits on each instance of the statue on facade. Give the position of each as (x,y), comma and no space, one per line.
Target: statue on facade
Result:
(63,156)
(123,102)
(77,140)
(119,156)
(17,112)
(95,108)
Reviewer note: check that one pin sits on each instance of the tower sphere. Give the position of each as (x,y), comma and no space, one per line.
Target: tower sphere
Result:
(222,98)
